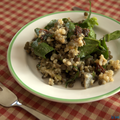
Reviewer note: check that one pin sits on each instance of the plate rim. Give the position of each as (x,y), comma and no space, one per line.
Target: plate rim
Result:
(47,96)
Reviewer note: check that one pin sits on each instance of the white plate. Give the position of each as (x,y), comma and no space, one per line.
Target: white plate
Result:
(23,67)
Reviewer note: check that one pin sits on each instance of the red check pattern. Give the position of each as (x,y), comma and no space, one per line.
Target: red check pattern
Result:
(14,14)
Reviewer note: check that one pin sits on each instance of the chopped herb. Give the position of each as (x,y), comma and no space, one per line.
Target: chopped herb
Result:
(51,24)
(93,74)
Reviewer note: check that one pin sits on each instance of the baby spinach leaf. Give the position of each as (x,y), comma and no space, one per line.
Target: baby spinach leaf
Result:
(92,33)
(106,54)
(92,22)
(65,20)
(41,49)
(90,46)
(89,22)
(37,31)
(103,49)
(112,36)
(99,50)
(35,43)
(51,24)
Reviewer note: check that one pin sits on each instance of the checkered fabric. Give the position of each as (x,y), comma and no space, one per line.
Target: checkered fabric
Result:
(14,14)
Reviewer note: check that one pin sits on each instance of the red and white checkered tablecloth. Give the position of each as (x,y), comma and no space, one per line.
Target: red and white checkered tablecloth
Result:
(14,14)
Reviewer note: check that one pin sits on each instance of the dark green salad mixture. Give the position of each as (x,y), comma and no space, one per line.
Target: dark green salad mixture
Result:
(68,51)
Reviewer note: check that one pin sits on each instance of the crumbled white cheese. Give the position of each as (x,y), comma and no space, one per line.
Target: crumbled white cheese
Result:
(101,61)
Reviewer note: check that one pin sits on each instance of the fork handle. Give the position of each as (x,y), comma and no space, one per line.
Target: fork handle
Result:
(32,111)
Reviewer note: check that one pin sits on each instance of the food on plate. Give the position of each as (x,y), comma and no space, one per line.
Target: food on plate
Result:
(69,51)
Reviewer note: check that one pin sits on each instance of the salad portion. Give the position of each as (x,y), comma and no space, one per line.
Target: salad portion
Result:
(68,51)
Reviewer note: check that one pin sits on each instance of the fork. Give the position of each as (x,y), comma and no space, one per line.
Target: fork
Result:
(77,8)
(9,99)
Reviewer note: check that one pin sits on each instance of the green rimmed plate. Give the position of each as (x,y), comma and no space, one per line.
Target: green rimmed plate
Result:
(23,67)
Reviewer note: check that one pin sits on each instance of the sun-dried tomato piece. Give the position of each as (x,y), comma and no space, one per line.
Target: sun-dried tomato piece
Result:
(78,30)
(99,69)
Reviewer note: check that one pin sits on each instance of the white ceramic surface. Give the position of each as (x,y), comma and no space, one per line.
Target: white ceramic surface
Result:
(23,67)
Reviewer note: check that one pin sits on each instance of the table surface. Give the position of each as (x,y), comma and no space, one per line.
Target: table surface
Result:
(14,14)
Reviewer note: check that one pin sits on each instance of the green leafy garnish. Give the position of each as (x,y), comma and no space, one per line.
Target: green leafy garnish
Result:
(51,24)
(106,53)
(84,24)
(92,33)
(41,49)
(93,74)
(112,36)
(37,31)
(89,48)
(92,22)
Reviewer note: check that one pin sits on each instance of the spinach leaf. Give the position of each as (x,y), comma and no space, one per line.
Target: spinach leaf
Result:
(35,42)
(112,36)
(37,31)
(103,49)
(51,24)
(36,39)
(89,22)
(99,50)
(106,54)
(41,49)
(92,22)
(91,45)
(71,27)
(92,33)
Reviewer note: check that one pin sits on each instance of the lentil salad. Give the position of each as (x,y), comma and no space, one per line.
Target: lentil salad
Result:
(69,51)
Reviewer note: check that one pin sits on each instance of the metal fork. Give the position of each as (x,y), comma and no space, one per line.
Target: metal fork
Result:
(9,99)
(77,8)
